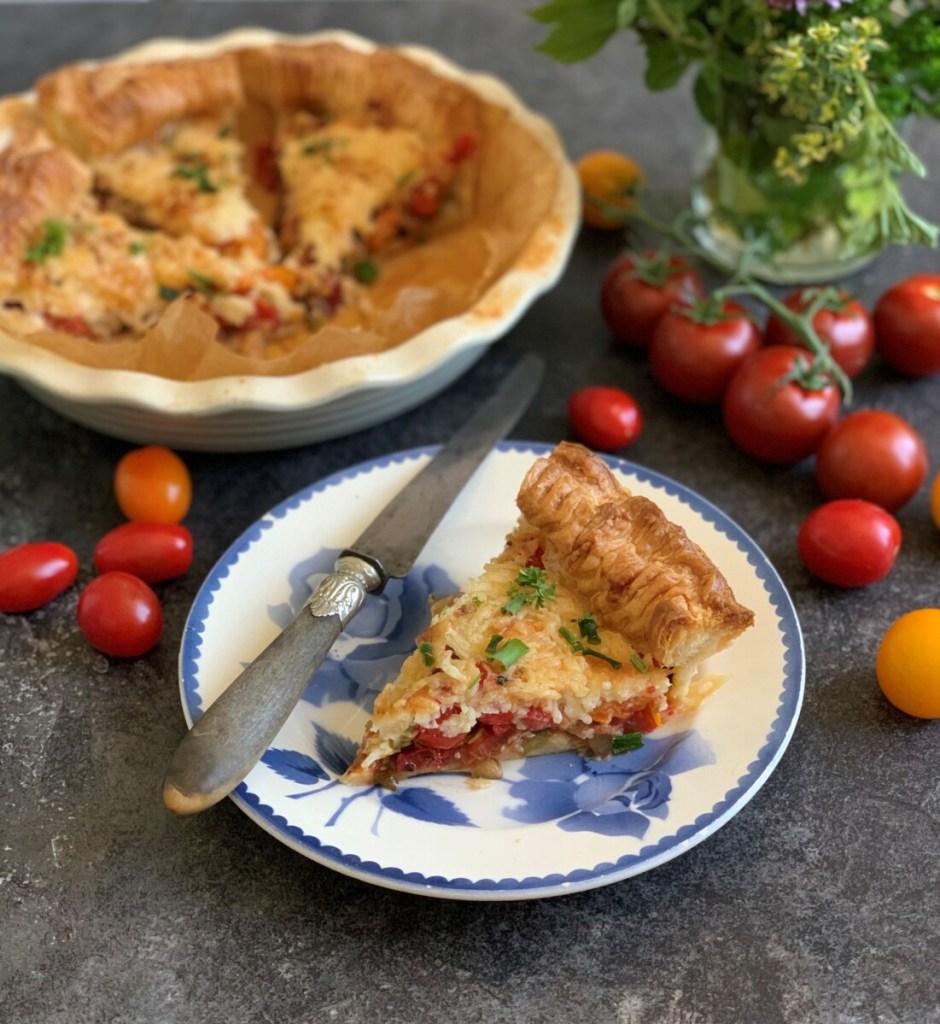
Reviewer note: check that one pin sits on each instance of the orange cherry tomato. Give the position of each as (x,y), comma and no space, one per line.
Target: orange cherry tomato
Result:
(152,484)
(610,182)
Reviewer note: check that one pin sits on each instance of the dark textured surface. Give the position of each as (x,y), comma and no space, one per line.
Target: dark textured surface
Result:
(818,902)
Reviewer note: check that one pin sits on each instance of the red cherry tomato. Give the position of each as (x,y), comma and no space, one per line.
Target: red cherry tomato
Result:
(773,417)
(120,615)
(842,323)
(873,455)
(695,351)
(151,551)
(637,289)
(907,325)
(152,484)
(849,543)
(31,575)
(605,418)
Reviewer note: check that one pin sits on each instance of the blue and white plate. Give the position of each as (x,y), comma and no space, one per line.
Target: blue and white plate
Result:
(554,824)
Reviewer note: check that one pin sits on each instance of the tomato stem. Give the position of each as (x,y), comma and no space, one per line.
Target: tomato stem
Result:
(741,282)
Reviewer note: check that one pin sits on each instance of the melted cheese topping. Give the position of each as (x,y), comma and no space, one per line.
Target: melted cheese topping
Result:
(337,178)
(579,692)
(100,276)
(189,179)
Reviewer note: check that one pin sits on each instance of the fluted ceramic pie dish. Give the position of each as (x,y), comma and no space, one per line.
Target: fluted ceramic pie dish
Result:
(250,412)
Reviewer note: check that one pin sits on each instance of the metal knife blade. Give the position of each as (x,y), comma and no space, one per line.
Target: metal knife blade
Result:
(227,741)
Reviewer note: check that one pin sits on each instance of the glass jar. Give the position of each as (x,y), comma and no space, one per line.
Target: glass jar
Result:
(809,232)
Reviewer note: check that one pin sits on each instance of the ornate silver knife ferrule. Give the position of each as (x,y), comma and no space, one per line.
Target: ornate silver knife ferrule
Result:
(343,592)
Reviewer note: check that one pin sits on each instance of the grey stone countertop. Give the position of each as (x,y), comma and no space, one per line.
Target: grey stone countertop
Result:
(818,903)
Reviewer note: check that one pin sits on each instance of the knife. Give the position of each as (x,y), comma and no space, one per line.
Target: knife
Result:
(230,737)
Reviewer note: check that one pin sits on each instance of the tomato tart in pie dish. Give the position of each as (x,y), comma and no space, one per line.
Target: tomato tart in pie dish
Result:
(261,205)
(590,628)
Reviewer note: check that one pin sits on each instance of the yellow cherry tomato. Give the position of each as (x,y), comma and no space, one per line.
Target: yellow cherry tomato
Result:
(152,485)
(935,500)
(908,663)
(610,182)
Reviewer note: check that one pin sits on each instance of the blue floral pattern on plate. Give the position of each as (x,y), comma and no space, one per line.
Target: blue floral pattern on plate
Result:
(623,815)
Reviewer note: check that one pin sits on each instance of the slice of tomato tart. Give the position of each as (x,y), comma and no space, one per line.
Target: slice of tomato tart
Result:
(587,631)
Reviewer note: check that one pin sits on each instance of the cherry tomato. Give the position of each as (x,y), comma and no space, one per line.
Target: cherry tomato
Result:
(849,543)
(695,351)
(120,615)
(31,575)
(842,323)
(873,455)
(605,418)
(772,416)
(152,484)
(637,289)
(152,552)
(610,182)
(907,325)
(908,663)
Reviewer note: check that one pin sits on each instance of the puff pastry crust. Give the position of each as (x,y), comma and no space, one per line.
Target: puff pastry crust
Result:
(110,107)
(644,576)
(257,185)
(607,609)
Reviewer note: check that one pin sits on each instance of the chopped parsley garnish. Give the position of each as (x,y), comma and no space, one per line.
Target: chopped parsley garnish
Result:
(511,651)
(167,293)
(366,271)
(405,178)
(589,652)
(427,653)
(324,147)
(531,586)
(203,283)
(580,647)
(136,248)
(638,662)
(587,625)
(473,682)
(198,173)
(626,742)
(51,243)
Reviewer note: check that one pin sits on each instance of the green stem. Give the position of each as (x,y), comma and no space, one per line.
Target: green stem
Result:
(740,282)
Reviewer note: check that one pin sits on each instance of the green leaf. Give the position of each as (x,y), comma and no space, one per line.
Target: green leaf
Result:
(735,68)
(582,27)
(707,92)
(666,63)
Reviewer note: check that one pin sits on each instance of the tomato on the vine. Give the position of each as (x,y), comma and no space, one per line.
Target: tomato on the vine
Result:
(120,615)
(605,418)
(874,455)
(31,575)
(908,663)
(638,289)
(907,325)
(775,409)
(849,543)
(695,350)
(841,322)
(151,551)
(152,484)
